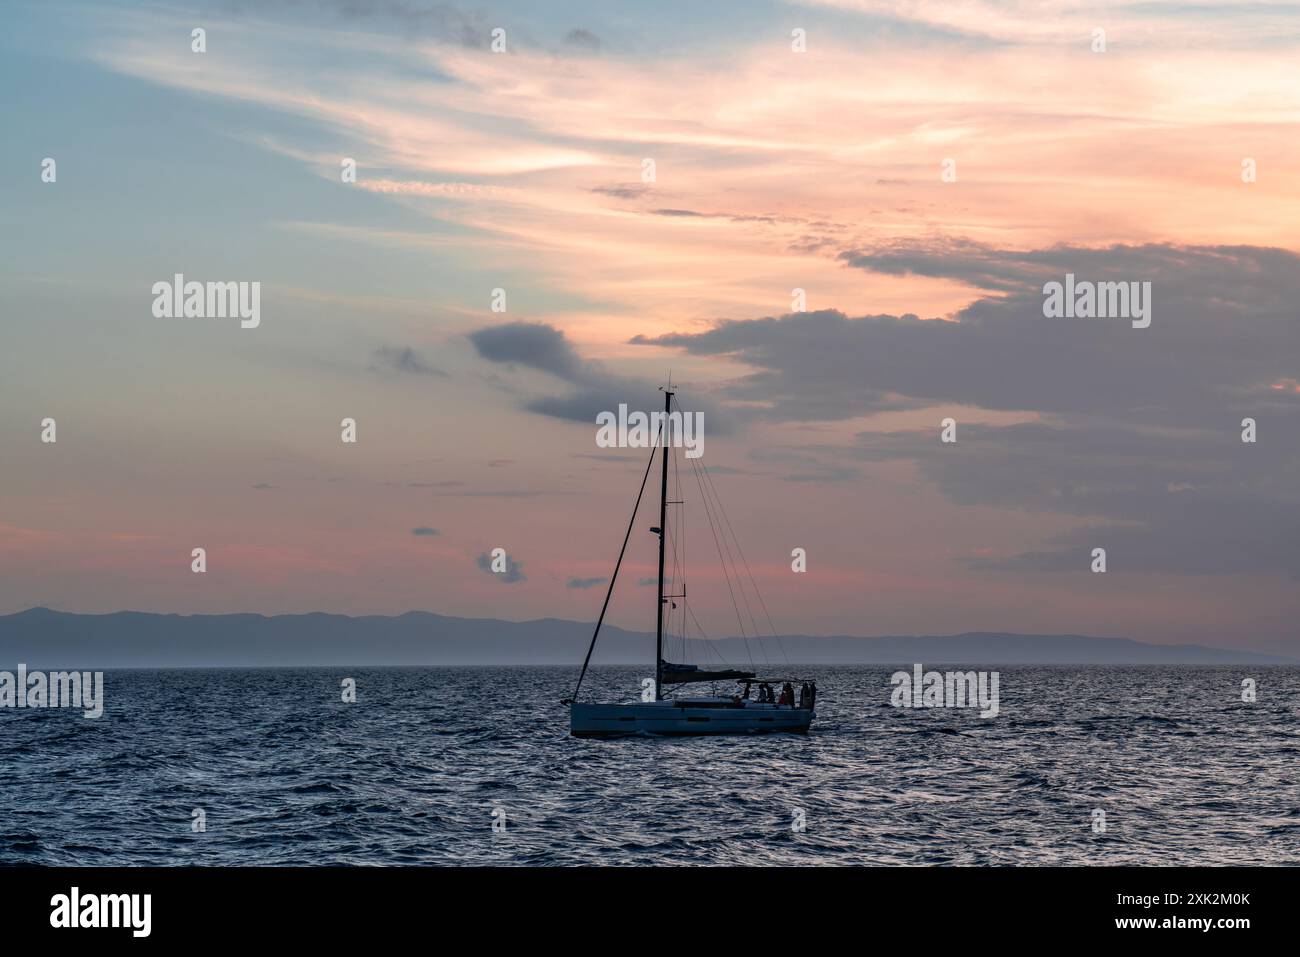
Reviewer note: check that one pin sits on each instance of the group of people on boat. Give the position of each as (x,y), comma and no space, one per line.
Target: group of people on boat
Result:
(786,699)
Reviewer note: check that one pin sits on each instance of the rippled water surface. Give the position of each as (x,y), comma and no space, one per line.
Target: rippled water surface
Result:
(411,774)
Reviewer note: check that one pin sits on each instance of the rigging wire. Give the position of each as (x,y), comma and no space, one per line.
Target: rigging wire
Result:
(757,593)
(613,578)
(678,539)
(744,596)
(725,574)
(724,535)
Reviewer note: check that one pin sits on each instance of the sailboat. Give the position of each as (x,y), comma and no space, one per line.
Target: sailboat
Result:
(689,714)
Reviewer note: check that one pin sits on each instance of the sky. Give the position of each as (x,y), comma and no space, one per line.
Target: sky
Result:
(918,169)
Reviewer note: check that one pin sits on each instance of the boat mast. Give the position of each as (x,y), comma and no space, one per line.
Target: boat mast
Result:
(663,528)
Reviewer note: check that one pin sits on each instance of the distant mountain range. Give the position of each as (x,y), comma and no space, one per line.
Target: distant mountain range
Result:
(41,638)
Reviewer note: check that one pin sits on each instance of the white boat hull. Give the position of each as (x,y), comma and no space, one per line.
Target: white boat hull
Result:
(689,717)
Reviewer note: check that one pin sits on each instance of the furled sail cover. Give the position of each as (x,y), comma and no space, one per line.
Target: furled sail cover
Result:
(681,674)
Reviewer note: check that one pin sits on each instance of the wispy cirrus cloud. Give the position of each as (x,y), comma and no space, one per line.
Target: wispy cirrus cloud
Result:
(1062,22)
(810,166)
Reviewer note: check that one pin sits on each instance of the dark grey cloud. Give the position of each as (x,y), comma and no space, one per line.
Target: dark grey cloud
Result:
(1138,431)
(971,262)
(1224,332)
(403,360)
(797,358)
(1158,500)
(585,582)
(534,345)
(514,570)
(592,390)
(423,530)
